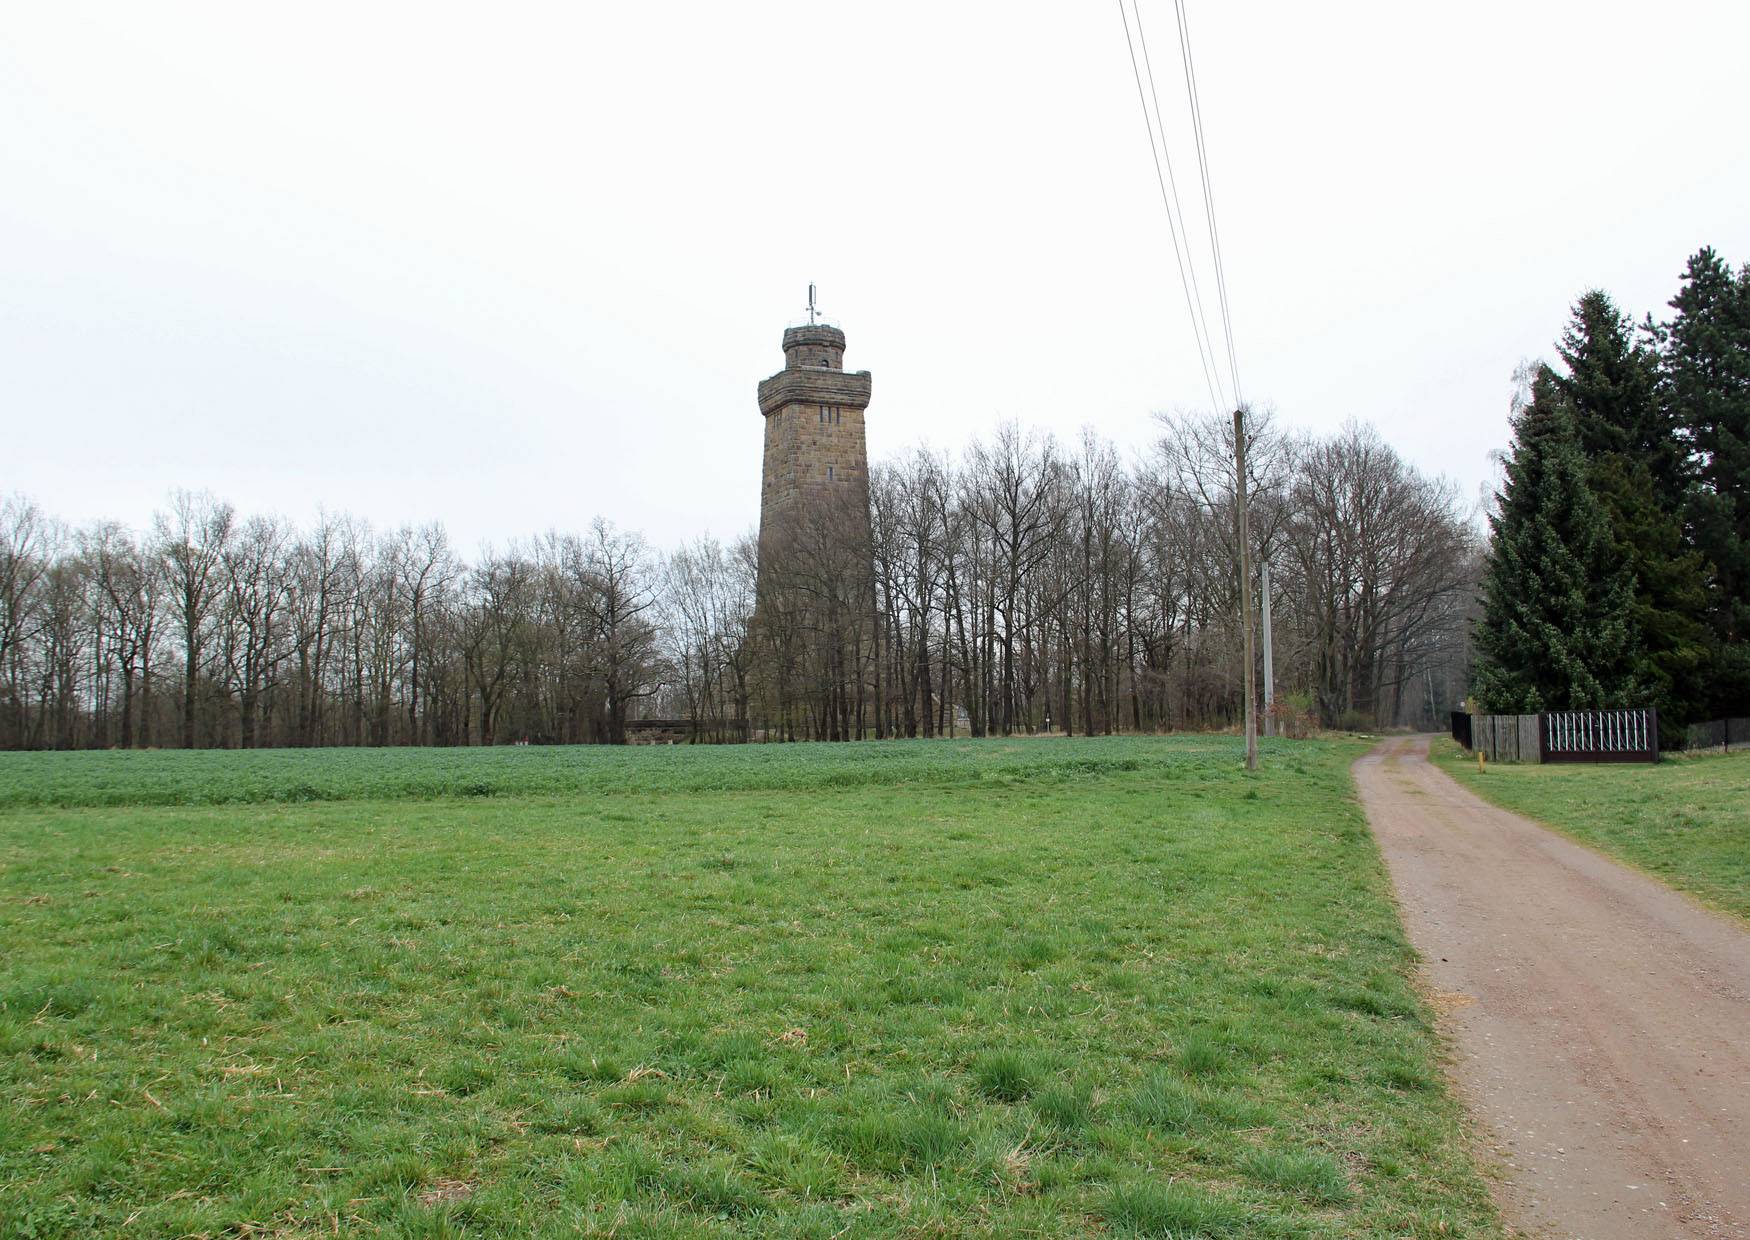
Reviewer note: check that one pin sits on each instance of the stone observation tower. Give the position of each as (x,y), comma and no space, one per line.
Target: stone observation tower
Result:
(816,457)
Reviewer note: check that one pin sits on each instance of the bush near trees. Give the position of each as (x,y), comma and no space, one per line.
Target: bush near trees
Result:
(1618,569)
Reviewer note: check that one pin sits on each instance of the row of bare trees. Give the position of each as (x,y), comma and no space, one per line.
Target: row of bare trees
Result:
(211,630)
(1032,585)
(1026,585)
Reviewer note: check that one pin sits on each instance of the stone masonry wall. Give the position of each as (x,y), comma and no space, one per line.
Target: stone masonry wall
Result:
(806,457)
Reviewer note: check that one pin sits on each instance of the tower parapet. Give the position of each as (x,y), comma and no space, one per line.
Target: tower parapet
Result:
(814,345)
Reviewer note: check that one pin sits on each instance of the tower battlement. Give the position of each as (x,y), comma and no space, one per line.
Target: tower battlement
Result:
(814,345)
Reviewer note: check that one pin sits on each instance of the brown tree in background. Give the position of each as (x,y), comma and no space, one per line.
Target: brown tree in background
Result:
(190,542)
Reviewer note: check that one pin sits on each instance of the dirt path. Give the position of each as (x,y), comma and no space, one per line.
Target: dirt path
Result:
(1601,1021)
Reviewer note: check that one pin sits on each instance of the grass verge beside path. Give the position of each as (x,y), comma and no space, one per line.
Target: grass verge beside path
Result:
(1119,987)
(1685,819)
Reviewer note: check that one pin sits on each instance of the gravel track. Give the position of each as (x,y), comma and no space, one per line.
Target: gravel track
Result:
(1600,1021)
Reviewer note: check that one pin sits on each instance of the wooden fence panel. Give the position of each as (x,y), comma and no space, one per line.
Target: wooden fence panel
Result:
(1506,738)
(1530,730)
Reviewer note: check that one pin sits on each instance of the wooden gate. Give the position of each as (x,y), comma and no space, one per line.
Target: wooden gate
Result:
(1601,736)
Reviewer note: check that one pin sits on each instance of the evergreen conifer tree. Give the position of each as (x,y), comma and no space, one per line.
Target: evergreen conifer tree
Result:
(1611,381)
(1705,356)
(1637,468)
(1557,630)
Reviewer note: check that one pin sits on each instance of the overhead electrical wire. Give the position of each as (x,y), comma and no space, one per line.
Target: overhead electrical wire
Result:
(1196,102)
(1178,209)
(1173,222)
(1177,222)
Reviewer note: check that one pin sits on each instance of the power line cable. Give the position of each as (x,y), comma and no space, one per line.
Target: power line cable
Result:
(1184,220)
(1191,93)
(1203,353)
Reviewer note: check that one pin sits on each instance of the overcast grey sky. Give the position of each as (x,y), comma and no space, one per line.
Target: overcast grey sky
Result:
(510,266)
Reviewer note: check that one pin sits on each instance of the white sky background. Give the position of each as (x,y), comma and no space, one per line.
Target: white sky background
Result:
(511,266)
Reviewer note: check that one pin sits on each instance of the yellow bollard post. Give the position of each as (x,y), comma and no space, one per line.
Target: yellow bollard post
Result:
(1480,770)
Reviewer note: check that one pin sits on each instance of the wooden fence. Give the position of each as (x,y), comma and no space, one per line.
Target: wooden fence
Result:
(1507,738)
(1567,736)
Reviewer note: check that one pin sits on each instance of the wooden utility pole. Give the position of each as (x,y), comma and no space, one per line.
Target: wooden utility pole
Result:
(1245,533)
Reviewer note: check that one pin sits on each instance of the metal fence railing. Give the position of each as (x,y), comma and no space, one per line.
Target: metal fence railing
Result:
(1601,736)
(1725,735)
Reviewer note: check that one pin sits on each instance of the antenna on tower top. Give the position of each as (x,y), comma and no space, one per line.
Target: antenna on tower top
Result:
(811,309)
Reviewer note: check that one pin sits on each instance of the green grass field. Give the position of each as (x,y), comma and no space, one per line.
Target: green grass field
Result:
(1686,819)
(226,777)
(1041,988)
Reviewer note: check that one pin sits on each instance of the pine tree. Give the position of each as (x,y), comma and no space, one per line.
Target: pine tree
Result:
(1637,468)
(1705,382)
(1557,630)
(1611,381)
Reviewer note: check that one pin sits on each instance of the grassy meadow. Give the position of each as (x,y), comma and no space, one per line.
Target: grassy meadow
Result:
(1039,988)
(1685,819)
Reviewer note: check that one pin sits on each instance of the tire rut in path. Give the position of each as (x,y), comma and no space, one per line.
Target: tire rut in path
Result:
(1600,1021)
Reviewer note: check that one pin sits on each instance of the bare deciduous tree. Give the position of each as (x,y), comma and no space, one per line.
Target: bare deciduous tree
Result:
(190,542)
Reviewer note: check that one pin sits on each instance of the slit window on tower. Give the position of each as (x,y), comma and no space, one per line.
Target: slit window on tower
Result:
(829,473)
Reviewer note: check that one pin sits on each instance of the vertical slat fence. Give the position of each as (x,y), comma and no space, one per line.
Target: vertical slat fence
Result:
(1601,736)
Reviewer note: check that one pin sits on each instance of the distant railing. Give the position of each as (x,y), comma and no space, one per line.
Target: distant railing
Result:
(1722,734)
